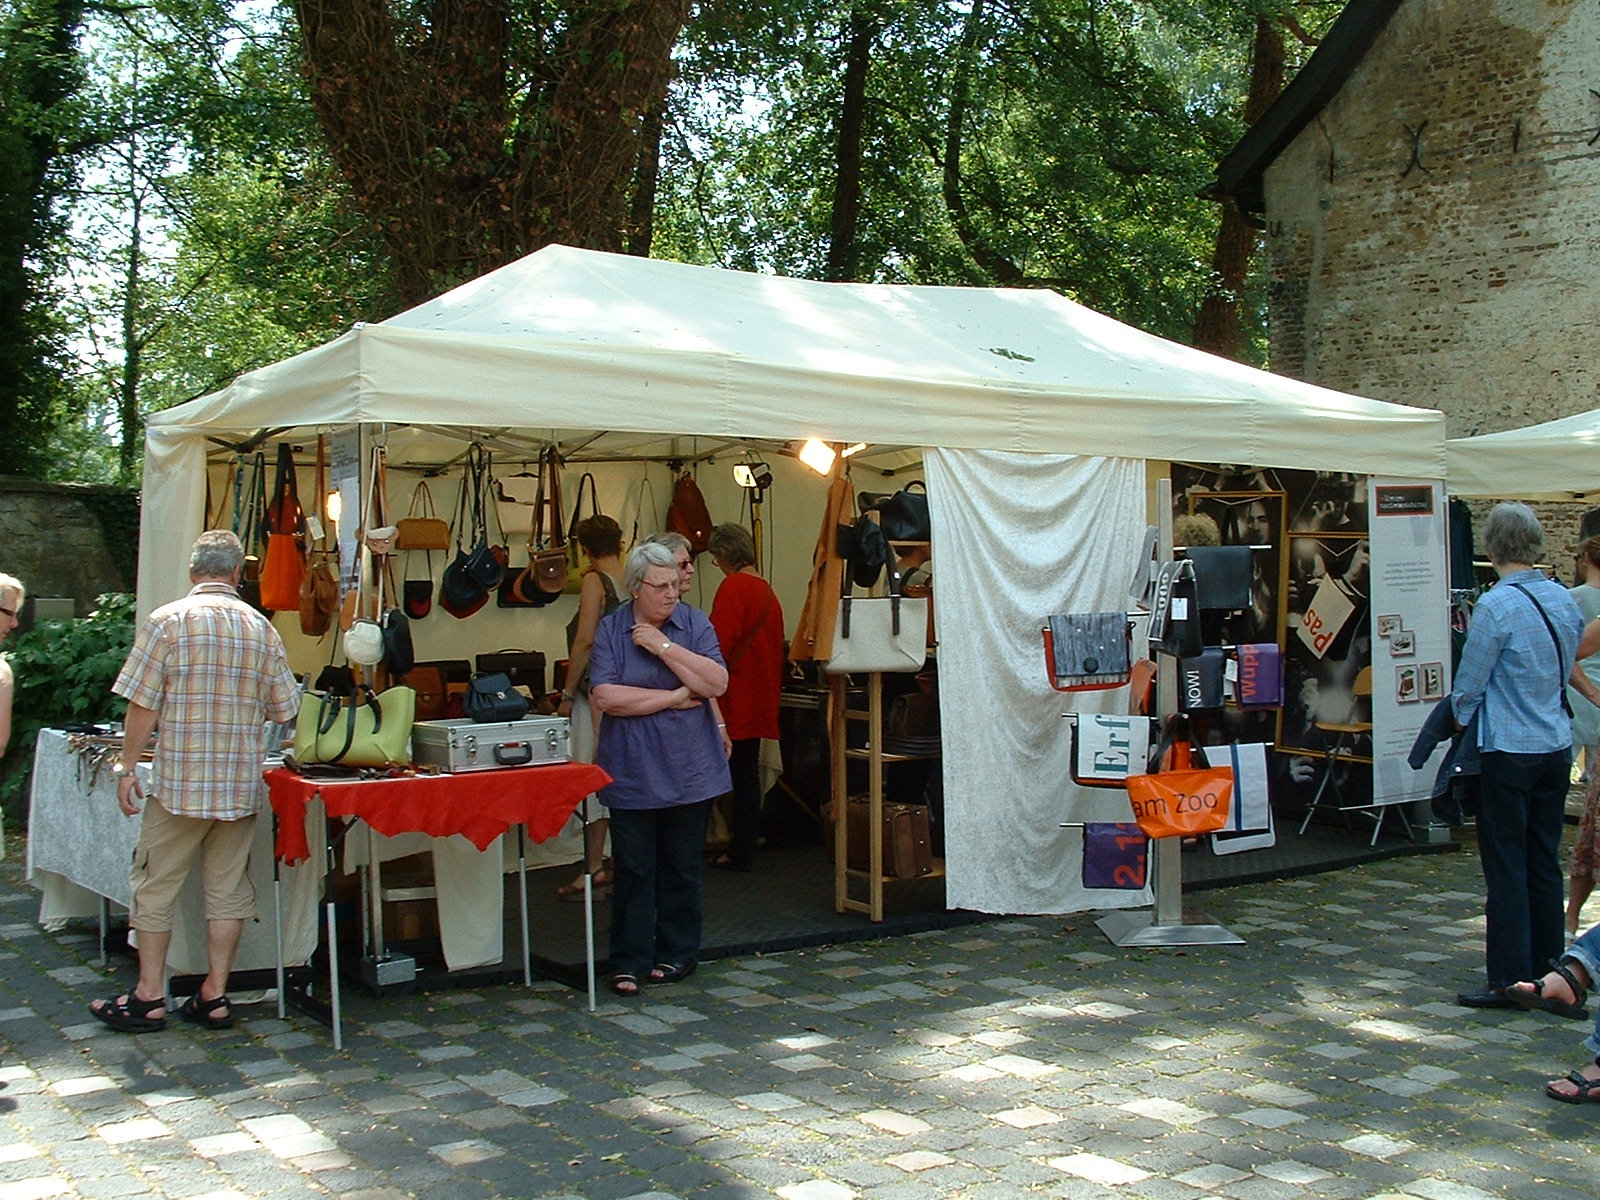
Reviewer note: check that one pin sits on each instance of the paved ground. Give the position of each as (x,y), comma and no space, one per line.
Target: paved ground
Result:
(1022,1057)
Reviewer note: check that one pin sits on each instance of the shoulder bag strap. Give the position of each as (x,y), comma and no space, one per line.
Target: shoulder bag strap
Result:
(744,642)
(1561,685)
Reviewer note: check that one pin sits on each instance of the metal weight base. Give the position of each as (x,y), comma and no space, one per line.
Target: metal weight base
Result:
(1138,927)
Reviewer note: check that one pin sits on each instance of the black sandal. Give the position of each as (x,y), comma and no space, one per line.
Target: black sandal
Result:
(1534,997)
(1588,1089)
(671,972)
(201,1012)
(129,1014)
(625,985)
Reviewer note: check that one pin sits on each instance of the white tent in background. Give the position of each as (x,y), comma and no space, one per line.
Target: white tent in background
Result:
(1555,460)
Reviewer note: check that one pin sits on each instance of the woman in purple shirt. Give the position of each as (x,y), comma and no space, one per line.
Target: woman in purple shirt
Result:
(653,670)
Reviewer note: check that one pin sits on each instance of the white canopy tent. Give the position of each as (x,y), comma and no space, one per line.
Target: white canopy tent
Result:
(569,342)
(1555,460)
(617,357)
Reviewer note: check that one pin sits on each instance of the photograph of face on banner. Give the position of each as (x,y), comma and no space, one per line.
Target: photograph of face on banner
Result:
(1247,519)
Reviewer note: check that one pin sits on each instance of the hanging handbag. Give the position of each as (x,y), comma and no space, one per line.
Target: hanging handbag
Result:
(1200,680)
(1115,856)
(283,568)
(1260,682)
(1175,611)
(398,656)
(460,591)
(1087,652)
(549,562)
(422,528)
(492,698)
(379,536)
(688,514)
(879,633)
(577,557)
(867,549)
(249,520)
(903,514)
(319,588)
(362,729)
(1106,747)
(1179,799)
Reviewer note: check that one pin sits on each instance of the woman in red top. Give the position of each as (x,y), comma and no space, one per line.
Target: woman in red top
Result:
(749,625)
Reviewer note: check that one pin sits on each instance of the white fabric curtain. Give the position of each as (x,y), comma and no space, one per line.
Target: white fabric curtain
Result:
(1018,537)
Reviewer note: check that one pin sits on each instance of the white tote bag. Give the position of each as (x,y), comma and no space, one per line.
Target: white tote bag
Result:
(880,633)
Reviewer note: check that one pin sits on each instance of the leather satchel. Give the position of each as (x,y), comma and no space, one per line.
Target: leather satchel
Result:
(365,729)
(491,698)
(688,514)
(422,528)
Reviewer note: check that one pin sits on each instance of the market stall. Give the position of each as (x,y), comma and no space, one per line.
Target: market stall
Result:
(1030,413)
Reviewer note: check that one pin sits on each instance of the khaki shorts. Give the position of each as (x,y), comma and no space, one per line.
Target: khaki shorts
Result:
(168,845)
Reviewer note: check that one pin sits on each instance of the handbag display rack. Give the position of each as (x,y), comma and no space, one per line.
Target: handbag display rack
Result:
(1165,923)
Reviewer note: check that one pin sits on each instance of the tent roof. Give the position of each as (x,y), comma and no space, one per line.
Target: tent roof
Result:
(1556,460)
(615,353)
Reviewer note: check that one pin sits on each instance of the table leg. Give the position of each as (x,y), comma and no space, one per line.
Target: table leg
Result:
(522,895)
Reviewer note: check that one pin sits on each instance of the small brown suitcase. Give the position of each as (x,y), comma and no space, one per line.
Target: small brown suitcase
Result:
(907,846)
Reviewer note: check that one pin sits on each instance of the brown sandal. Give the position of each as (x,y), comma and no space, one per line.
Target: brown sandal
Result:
(574,891)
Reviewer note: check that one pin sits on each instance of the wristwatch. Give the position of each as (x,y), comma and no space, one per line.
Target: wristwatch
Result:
(665,646)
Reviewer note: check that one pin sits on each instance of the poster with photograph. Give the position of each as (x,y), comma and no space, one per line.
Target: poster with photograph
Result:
(1411,661)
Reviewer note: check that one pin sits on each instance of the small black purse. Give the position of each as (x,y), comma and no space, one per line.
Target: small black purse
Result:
(491,698)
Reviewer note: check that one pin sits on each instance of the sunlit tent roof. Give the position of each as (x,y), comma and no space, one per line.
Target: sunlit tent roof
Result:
(614,356)
(1555,460)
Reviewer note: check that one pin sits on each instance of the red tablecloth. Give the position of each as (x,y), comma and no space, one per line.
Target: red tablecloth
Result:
(479,805)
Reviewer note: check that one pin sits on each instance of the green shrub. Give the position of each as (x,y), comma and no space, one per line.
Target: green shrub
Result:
(64,671)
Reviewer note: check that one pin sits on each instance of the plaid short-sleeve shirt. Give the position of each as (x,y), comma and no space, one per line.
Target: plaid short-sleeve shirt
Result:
(215,670)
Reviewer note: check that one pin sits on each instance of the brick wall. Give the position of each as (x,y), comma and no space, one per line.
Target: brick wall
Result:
(1465,277)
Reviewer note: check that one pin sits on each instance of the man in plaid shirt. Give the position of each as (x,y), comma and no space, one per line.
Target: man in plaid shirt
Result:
(212,670)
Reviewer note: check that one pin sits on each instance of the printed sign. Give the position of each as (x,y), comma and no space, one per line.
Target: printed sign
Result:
(1395,501)
(1330,609)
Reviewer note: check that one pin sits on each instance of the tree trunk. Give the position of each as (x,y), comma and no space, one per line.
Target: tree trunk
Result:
(999,268)
(1218,325)
(642,218)
(465,161)
(843,253)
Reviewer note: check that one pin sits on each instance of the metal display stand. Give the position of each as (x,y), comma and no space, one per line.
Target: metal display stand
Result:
(1165,923)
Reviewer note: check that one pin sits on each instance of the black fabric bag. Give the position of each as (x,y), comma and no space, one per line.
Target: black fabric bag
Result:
(871,552)
(904,514)
(492,698)
(398,654)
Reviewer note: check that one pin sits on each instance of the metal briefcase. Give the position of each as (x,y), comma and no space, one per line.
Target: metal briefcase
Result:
(461,744)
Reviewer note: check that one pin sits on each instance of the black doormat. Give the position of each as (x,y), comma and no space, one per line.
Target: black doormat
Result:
(787,903)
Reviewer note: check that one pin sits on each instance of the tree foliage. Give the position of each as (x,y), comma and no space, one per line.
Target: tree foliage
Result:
(40,75)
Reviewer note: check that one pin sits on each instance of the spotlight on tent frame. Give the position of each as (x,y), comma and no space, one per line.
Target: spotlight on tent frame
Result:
(752,475)
(818,455)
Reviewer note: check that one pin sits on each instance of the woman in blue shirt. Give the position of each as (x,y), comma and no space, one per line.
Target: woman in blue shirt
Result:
(653,671)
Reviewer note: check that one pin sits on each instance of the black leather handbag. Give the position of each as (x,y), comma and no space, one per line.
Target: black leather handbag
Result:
(492,698)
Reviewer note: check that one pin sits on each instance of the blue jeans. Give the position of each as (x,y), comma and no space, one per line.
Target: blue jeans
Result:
(1587,951)
(1519,842)
(655,896)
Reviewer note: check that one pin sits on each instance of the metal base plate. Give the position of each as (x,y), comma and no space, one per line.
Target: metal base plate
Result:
(1137,927)
(388,971)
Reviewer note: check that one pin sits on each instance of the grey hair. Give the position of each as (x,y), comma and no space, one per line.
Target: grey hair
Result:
(642,557)
(733,545)
(10,583)
(672,541)
(217,554)
(1512,533)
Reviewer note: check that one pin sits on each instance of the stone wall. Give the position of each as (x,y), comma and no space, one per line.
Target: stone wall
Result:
(1434,235)
(63,539)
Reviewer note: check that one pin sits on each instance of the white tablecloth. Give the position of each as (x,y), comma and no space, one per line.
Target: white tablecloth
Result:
(80,846)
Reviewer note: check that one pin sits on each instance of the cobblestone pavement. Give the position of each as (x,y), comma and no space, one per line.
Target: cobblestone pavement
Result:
(1022,1057)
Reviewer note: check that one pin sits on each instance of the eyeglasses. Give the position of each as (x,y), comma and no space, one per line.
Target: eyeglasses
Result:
(686,564)
(660,587)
